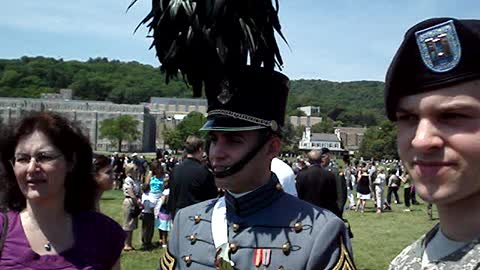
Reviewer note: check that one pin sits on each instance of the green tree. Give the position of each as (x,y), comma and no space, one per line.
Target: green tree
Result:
(10,78)
(326,126)
(290,138)
(117,130)
(172,137)
(297,112)
(190,125)
(380,142)
(91,88)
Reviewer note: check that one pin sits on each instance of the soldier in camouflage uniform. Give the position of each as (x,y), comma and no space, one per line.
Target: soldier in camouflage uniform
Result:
(432,92)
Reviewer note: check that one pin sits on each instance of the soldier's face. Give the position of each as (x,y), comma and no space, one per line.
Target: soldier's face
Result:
(439,142)
(227,148)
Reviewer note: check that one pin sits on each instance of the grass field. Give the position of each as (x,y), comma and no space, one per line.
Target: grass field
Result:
(377,238)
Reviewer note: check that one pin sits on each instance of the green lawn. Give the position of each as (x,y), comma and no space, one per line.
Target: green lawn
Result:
(378,238)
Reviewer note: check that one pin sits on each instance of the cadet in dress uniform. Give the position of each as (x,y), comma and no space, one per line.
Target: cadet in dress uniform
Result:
(256,224)
(228,48)
(433,94)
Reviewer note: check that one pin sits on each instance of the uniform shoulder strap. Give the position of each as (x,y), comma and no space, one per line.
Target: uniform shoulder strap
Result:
(3,236)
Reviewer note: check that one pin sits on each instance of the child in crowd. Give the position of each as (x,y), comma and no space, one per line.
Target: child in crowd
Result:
(148,218)
(164,220)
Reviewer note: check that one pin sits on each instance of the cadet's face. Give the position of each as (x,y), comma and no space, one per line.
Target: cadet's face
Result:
(227,148)
(439,142)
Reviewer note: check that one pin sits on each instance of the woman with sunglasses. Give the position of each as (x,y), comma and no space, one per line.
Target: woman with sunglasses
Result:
(50,195)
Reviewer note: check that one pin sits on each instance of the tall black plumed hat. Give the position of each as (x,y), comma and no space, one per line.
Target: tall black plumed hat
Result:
(228,49)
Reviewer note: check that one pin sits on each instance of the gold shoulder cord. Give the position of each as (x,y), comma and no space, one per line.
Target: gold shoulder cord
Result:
(344,261)
(167,262)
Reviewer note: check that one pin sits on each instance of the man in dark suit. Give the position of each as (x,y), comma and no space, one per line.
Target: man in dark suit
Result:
(340,183)
(191,182)
(317,185)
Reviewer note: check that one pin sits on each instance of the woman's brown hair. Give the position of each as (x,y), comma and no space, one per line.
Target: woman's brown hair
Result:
(80,185)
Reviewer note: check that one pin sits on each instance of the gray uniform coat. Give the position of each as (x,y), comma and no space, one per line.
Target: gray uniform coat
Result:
(298,234)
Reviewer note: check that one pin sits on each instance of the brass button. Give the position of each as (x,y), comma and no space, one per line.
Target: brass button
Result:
(197,219)
(236,227)
(298,227)
(286,248)
(193,238)
(274,125)
(279,186)
(233,247)
(188,260)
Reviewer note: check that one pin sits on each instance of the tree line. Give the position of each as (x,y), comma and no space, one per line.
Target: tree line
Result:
(358,103)
(347,103)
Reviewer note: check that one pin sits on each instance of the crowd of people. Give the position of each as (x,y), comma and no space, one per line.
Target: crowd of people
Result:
(360,181)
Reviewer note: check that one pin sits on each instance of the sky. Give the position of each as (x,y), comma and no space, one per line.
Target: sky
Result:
(337,40)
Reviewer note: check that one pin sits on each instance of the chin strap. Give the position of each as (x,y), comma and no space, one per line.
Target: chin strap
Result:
(240,164)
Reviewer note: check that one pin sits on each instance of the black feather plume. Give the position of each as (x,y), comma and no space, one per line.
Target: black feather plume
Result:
(206,40)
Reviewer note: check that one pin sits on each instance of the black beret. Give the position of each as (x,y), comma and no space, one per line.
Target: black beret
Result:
(251,99)
(435,53)
(325,150)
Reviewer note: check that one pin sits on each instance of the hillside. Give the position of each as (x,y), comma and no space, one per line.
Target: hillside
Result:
(351,103)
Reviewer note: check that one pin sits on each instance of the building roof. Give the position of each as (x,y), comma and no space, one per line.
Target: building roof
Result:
(352,129)
(179,101)
(324,137)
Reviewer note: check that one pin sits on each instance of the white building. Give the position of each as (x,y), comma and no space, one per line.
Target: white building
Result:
(317,141)
(310,110)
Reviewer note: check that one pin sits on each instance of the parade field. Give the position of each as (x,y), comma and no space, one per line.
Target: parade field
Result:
(377,238)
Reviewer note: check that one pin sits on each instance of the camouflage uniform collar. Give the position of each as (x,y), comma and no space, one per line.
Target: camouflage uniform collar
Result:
(466,257)
(426,239)
(454,256)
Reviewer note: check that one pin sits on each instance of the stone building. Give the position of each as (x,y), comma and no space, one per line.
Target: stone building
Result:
(306,121)
(351,137)
(65,94)
(154,117)
(168,112)
(311,117)
(88,114)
